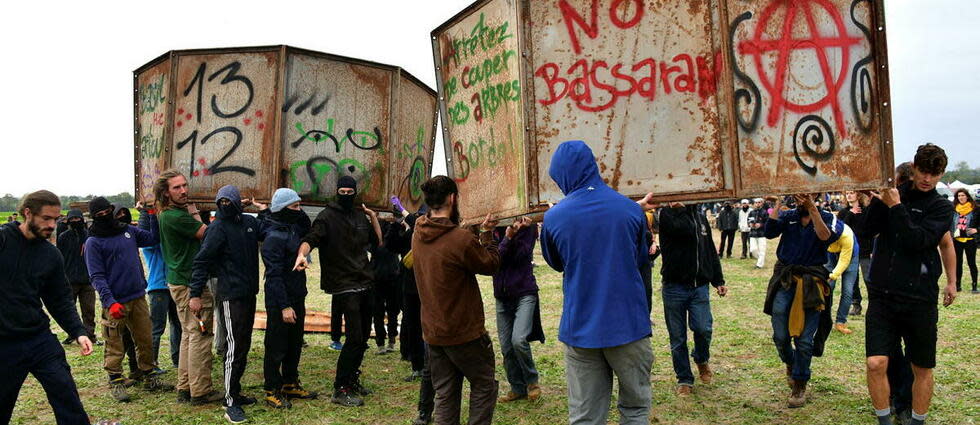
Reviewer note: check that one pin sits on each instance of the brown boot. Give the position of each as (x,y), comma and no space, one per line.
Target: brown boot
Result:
(684,390)
(842,328)
(789,376)
(533,392)
(704,370)
(798,397)
(511,396)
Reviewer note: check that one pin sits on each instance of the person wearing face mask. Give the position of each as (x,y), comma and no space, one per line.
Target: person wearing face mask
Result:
(71,243)
(727,224)
(344,234)
(230,251)
(115,270)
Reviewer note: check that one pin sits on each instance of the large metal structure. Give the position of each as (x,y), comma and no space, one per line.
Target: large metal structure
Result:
(279,116)
(688,99)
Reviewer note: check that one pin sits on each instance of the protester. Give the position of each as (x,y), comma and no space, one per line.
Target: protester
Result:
(909,222)
(518,311)
(744,230)
(690,263)
(230,252)
(964,229)
(727,224)
(344,234)
(842,263)
(285,299)
(446,260)
(336,324)
(124,216)
(33,272)
(799,297)
(162,306)
(71,245)
(757,236)
(115,270)
(855,217)
(595,236)
(387,295)
(181,232)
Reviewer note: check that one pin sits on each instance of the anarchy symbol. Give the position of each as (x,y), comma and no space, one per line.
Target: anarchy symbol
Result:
(786,44)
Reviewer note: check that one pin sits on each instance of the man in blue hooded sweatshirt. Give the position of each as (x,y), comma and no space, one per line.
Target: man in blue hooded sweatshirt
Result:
(230,251)
(597,238)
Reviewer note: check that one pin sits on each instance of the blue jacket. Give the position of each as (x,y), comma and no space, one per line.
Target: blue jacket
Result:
(153,255)
(114,265)
(596,237)
(799,245)
(284,287)
(229,252)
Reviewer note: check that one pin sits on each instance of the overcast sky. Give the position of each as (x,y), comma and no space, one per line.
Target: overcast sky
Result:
(66,80)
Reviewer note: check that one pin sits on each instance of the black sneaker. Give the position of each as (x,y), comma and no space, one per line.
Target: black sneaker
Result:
(276,399)
(346,397)
(424,418)
(360,389)
(183,396)
(235,414)
(244,400)
(209,398)
(118,389)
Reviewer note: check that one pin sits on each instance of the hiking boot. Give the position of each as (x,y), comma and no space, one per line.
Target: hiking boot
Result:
(533,392)
(296,391)
(511,396)
(346,397)
(798,397)
(235,414)
(118,390)
(277,400)
(129,382)
(789,376)
(336,346)
(209,398)
(704,371)
(842,328)
(152,382)
(684,390)
(416,374)
(183,396)
(855,310)
(243,400)
(359,388)
(424,418)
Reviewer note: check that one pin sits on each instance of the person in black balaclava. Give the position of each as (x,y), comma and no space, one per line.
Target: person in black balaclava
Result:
(344,234)
(70,244)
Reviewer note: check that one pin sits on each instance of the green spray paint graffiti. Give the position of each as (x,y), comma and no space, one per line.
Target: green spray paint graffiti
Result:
(314,177)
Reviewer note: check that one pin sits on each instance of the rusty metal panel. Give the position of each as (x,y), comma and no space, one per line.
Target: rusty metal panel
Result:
(636,80)
(477,57)
(224,121)
(412,140)
(152,96)
(809,96)
(336,121)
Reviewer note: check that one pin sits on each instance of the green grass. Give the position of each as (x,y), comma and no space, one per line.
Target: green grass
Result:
(749,387)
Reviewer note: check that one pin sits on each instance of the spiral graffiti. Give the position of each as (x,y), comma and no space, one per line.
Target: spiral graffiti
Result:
(814,137)
(861,84)
(749,95)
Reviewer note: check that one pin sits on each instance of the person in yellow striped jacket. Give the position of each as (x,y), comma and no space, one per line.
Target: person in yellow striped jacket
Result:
(843,264)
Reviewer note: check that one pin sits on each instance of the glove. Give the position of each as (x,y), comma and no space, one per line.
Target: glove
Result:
(117,311)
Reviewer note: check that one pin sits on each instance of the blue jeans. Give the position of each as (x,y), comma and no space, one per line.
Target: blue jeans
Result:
(800,357)
(162,307)
(515,317)
(849,278)
(686,305)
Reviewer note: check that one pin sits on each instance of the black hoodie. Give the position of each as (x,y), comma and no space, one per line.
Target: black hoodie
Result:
(344,238)
(70,243)
(229,252)
(689,256)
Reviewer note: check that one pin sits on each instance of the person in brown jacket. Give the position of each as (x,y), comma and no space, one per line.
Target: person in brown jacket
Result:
(446,261)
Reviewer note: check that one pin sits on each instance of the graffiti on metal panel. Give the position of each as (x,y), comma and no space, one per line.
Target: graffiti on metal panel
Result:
(364,140)
(595,85)
(317,175)
(152,114)
(861,92)
(814,137)
(416,172)
(482,153)
(477,91)
(151,96)
(750,93)
(314,104)
(231,80)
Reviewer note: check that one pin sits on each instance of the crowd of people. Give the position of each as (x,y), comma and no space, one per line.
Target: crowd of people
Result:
(203,278)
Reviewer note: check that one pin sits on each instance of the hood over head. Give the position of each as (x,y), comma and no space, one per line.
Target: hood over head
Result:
(127,215)
(231,193)
(431,228)
(573,167)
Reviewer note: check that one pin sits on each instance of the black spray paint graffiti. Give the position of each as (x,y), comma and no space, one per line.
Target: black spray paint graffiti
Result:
(231,76)
(861,87)
(816,141)
(360,139)
(309,103)
(749,95)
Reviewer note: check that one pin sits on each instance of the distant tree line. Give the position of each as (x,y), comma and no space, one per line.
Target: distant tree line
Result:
(963,173)
(10,202)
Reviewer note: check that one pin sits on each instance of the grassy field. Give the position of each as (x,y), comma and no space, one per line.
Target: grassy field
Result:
(749,387)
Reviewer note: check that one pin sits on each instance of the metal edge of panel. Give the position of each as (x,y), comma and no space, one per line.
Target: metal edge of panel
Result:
(459,16)
(137,146)
(435,117)
(441,106)
(276,166)
(728,83)
(417,82)
(168,137)
(394,97)
(154,62)
(339,58)
(526,43)
(226,50)
(884,108)
(728,131)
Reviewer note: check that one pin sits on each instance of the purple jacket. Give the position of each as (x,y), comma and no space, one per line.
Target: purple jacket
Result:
(516,276)
(114,265)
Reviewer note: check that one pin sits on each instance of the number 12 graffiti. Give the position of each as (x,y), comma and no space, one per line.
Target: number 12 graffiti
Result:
(231,76)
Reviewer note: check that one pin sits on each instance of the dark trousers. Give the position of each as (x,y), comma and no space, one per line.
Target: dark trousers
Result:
(727,236)
(745,244)
(427,394)
(356,307)
(283,346)
(900,379)
(239,315)
(864,264)
(336,320)
(43,357)
(412,345)
(84,295)
(474,361)
(162,309)
(969,249)
(387,302)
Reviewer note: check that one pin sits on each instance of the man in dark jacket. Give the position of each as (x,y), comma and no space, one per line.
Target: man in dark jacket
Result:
(344,234)
(230,251)
(518,313)
(690,263)
(909,222)
(447,259)
(387,294)
(33,272)
(285,299)
(727,224)
(71,243)
(799,296)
